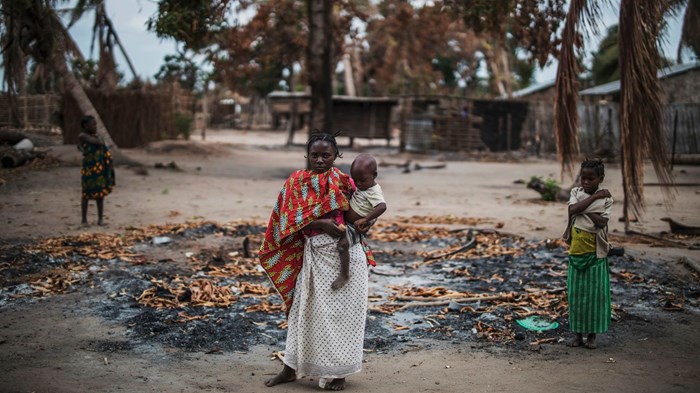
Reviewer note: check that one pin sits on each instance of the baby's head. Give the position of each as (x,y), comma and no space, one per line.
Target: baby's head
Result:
(592,174)
(364,171)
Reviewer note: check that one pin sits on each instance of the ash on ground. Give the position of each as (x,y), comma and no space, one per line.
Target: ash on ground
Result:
(198,287)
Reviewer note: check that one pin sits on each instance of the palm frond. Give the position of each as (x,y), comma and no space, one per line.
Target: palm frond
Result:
(566,89)
(690,32)
(641,117)
(581,21)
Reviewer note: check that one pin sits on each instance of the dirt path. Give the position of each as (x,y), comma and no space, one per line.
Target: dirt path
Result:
(54,345)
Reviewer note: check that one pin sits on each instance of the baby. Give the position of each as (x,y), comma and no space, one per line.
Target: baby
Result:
(366,204)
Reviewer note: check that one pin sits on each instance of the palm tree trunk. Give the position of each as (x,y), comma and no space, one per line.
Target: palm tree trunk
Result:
(73,87)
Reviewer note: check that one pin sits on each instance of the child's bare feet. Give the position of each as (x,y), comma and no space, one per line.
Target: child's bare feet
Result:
(577,341)
(336,384)
(340,282)
(590,341)
(286,375)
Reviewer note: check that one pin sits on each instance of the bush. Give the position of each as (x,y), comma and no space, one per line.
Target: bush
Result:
(183,124)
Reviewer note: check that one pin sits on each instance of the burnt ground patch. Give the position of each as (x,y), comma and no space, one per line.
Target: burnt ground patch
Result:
(524,278)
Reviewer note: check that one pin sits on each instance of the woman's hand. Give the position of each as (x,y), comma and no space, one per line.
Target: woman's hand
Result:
(327,226)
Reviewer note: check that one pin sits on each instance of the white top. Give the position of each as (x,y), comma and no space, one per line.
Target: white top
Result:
(583,222)
(362,202)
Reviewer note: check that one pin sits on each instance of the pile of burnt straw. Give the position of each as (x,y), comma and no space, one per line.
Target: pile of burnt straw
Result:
(198,285)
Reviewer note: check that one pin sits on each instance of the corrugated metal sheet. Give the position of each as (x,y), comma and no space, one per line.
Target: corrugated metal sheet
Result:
(534,88)
(614,86)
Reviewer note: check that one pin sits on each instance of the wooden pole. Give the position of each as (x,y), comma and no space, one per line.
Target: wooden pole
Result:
(675,132)
(509,129)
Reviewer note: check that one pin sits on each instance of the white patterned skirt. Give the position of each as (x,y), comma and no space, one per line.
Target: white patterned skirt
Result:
(326,329)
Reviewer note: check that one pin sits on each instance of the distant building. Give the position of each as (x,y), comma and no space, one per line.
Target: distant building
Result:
(680,82)
(598,109)
(538,131)
(599,112)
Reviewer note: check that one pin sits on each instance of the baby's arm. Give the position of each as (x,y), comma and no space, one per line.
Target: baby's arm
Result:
(363,223)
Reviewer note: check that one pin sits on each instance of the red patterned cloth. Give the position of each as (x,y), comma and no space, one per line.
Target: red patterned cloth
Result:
(306,196)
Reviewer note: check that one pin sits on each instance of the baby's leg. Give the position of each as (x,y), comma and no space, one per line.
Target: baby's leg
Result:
(344,250)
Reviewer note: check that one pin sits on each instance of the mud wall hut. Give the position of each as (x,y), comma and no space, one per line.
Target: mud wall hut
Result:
(354,117)
(453,123)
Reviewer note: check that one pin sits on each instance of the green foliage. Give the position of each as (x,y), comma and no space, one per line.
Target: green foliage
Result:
(447,66)
(551,190)
(179,68)
(183,124)
(547,188)
(524,71)
(606,65)
(191,22)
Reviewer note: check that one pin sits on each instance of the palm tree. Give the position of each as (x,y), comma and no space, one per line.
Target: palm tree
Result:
(33,29)
(105,34)
(641,126)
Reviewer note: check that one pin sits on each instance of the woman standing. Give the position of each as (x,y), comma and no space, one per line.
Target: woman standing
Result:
(326,327)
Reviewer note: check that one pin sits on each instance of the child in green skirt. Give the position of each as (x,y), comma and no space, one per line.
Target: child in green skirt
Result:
(588,278)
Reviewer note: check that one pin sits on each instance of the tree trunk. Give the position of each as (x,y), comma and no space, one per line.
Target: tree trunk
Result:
(357,70)
(494,65)
(349,80)
(319,64)
(73,87)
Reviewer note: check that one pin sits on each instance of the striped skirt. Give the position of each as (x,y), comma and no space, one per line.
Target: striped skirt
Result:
(588,288)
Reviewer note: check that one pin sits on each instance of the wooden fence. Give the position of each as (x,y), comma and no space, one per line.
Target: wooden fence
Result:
(33,111)
(599,128)
(133,117)
(683,125)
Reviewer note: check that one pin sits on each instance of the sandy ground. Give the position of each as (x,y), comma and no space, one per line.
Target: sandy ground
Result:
(43,348)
